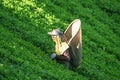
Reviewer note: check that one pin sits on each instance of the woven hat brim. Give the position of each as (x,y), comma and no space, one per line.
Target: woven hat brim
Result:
(52,34)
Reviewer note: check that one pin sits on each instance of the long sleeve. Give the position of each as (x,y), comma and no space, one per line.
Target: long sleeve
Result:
(60,47)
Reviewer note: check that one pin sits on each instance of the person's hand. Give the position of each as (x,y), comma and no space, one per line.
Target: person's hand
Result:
(67,55)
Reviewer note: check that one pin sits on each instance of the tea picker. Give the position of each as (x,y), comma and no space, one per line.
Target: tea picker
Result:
(68,45)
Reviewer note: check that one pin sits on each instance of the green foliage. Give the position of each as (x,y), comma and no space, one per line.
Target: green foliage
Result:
(25,45)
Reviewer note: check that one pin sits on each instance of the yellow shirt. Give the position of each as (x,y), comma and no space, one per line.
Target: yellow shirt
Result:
(61,48)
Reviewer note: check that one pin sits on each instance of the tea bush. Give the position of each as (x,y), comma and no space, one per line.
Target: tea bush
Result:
(25,45)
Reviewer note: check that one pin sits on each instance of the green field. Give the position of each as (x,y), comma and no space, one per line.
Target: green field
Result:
(25,45)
